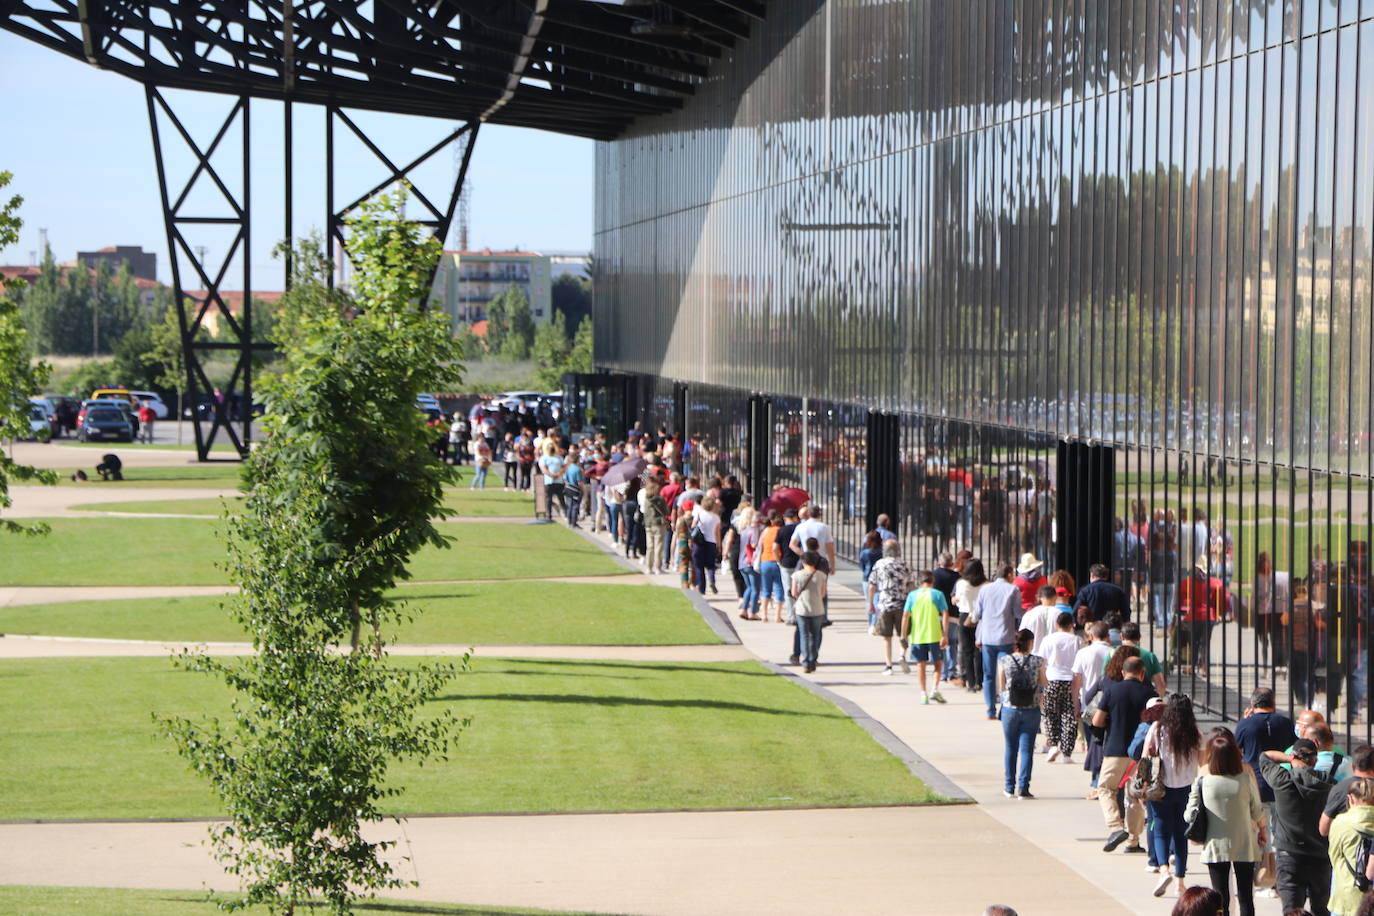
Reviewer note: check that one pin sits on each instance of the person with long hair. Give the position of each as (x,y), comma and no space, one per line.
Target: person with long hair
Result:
(1230,798)
(872,552)
(971,581)
(1343,846)
(766,565)
(1199,901)
(1176,744)
(1021,683)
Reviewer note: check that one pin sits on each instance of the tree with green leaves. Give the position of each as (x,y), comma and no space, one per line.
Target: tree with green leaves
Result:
(20,376)
(341,493)
(572,298)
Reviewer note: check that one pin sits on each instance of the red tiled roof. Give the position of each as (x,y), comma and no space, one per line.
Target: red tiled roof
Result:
(489,252)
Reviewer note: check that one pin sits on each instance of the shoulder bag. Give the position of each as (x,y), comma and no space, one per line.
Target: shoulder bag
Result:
(1197,824)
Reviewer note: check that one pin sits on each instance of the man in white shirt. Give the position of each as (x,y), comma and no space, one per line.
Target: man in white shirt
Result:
(1059,709)
(813,527)
(1090,661)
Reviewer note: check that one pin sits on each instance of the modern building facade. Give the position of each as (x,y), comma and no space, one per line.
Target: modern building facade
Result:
(466,281)
(1089,281)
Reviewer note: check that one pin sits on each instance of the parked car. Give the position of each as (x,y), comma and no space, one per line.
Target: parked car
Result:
(39,427)
(67,407)
(119,404)
(102,422)
(111,392)
(153,400)
(49,411)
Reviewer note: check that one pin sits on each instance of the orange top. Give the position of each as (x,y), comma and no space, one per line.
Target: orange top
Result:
(768,547)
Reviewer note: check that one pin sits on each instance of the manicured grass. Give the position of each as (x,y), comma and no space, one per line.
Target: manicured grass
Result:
(478,613)
(113,901)
(175,551)
(546,736)
(222,476)
(469,503)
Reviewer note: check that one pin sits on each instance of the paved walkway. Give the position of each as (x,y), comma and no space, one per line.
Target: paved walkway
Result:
(1043,856)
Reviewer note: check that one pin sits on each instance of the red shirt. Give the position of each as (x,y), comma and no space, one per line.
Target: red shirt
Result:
(670,493)
(1030,590)
(1201,598)
(145,414)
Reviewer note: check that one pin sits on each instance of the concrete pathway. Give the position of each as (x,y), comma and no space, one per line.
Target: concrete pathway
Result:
(57,502)
(75,647)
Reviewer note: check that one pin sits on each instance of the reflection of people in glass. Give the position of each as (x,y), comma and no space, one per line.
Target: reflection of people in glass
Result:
(1202,601)
(1271,603)
(1163,569)
(1300,618)
(1354,614)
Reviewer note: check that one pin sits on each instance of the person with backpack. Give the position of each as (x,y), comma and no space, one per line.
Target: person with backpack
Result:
(1020,680)
(1228,797)
(654,511)
(1304,870)
(1348,849)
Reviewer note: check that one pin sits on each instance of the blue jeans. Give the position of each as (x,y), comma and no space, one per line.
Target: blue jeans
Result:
(1168,833)
(1019,727)
(990,656)
(613,511)
(1163,596)
(479,477)
(809,629)
(749,601)
(770,580)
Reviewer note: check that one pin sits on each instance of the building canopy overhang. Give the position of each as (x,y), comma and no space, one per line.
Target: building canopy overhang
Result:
(570,66)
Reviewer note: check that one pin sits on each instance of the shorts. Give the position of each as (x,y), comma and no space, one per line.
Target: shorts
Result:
(889,623)
(927,652)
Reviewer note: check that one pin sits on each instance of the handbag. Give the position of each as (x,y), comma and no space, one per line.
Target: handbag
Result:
(1147,780)
(1197,824)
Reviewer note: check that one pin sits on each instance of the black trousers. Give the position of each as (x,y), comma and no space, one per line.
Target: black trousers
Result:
(1303,878)
(1245,885)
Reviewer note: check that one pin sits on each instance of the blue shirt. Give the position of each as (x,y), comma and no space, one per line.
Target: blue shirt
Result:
(572,475)
(998,607)
(552,466)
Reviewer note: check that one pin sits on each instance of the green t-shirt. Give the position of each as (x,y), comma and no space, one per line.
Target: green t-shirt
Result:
(1152,665)
(925,605)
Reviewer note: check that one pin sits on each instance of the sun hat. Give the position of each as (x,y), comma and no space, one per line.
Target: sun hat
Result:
(1028,564)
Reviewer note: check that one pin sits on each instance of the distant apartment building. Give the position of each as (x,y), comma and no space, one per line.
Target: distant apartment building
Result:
(467,280)
(141,263)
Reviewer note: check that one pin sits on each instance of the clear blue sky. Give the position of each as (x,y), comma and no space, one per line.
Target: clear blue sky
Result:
(77,140)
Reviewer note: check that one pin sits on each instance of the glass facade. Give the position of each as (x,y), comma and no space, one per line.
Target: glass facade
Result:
(1135,225)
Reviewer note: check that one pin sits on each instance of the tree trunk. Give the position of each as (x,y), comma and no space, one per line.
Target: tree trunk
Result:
(376,635)
(357,619)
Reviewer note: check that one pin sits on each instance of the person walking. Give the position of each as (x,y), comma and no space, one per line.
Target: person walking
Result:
(509,458)
(1100,597)
(871,553)
(573,482)
(924,617)
(995,613)
(1020,681)
(705,544)
(888,585)
(1060,709)
(750,527)
(146,418)
(770,572)
(808,589)
(1300,794)
(1175,742)
(1235,830)
(971,581)
(1119,713)
(655,514)
(481,460)
(946,580)
(682,543)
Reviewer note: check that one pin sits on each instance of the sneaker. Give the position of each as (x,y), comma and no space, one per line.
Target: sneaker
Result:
(1151,869)
(1025,794)
(1116,839)
(1053,755)
(1163,883)
(906,668)
(937,697)
(1066,759)
(887,672)
(872,631)
(793,660)
(1006,794)
(925,700)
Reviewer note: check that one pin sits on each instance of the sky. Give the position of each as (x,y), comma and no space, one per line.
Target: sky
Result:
(78,142)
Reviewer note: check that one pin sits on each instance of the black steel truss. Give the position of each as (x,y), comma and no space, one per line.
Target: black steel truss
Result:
(570,66)
(232,412)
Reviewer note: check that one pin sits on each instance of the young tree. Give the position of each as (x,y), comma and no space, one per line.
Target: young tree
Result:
(342,492)
(572,297)
(19,375)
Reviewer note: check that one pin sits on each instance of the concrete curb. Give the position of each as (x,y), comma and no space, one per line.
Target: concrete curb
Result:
(917,764)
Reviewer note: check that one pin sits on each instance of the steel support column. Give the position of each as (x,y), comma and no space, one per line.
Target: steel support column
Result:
(1086,494)
(884,468)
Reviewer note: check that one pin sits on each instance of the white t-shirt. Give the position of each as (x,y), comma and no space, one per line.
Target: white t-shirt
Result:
(709,523)
(813,528)
(1035,621)
(1088,664)
(1058,650)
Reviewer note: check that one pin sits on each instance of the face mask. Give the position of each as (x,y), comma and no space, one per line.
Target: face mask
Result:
(1297,730)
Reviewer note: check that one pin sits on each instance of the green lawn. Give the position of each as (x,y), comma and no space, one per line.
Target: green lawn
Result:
(113,901)
(480,503)
(220,475)
(479,613)
(546,736)
(176,551)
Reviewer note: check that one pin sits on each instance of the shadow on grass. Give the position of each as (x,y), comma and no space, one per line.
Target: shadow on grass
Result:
(583,699)
(702,668)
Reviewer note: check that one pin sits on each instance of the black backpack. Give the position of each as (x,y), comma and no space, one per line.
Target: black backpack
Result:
(1361,866)
(1021,683)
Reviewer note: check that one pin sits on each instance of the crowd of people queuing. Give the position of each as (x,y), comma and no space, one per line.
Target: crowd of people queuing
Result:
(1272,804)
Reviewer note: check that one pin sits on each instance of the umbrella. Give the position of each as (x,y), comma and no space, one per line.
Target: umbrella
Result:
(623,471)
(784,498)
